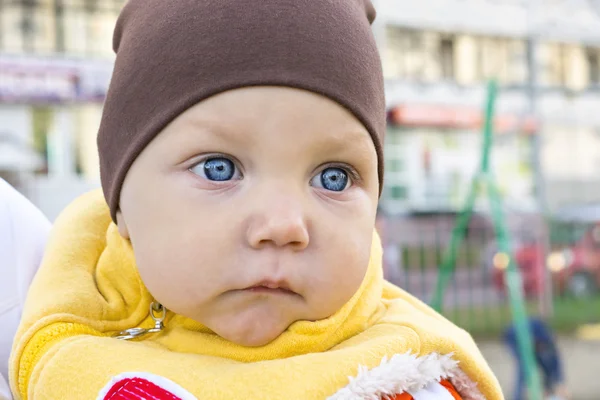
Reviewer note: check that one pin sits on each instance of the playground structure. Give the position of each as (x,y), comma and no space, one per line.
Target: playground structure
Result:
(484,181)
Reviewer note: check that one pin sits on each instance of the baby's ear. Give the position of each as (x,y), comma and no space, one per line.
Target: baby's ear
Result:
(122,225)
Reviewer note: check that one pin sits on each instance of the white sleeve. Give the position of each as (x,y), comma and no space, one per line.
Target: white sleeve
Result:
(23,233)
(4,391)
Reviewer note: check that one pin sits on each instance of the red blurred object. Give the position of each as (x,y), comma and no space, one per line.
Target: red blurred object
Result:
(575,270)
(581,276)
(529,258)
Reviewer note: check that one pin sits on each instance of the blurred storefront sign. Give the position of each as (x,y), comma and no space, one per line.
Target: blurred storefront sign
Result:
(433,150)
(37,80)
(435,116)
(49,85)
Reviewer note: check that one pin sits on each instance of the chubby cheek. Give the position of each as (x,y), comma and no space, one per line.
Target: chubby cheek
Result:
(181,283)
(175,261)
(164,276)
(343,269)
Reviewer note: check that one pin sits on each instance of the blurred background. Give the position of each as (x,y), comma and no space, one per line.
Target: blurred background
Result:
(56,61)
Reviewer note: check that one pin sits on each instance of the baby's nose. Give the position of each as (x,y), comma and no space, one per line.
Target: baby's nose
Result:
(280,227)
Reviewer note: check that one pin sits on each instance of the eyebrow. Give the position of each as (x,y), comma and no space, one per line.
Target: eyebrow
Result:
(345,140)
(342,142)
(205,125)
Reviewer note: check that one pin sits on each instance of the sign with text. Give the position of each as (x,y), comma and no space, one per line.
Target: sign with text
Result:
(31,80)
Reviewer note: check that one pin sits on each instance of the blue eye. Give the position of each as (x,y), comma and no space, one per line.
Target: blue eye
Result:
(333,179)
(217,169)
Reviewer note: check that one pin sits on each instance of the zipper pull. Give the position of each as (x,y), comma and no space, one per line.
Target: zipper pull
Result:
(157,312)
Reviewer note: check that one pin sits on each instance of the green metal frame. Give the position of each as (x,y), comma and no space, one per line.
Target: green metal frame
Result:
(484,178)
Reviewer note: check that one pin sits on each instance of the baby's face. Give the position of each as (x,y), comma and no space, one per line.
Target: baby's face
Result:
(252,210)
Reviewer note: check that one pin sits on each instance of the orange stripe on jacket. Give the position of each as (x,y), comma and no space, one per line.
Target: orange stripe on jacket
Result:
(403,396)
(451,389)
(446,384)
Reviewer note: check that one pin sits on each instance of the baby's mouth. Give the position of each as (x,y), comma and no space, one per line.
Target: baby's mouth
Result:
(263,289)
(271,287)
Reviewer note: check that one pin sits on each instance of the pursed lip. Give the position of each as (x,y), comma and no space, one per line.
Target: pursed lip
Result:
(271,286)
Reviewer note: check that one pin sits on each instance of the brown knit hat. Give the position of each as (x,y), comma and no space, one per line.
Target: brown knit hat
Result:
(171,54)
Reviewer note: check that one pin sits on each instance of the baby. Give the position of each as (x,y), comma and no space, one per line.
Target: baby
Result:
(232,253)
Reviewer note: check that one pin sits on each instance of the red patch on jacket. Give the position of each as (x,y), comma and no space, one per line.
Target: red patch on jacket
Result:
(138,388)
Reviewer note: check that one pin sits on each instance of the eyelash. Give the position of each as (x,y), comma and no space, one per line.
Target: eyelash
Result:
(352,173)
(199,160)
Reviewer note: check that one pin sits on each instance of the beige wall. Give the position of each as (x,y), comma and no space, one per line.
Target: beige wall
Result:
(571,152)
(87,121)
(465,59)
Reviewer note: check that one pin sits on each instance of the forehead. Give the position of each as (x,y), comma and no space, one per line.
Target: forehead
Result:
(271,104)
(248,115)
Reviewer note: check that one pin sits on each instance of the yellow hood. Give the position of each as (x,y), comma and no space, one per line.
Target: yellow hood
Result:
(88,289)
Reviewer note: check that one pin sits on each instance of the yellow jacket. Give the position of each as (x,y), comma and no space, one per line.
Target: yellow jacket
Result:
(88,289)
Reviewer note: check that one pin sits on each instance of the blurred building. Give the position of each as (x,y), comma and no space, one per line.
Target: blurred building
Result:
(437,56)
(56,59)
(55,64)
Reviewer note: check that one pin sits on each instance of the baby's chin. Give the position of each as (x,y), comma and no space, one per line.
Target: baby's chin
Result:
(251,329)
(252,337)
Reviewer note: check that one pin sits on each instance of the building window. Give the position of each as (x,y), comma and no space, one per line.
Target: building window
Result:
(516,59)
(41,125)
(395,165)
(553,64)
(75,27)
(399,193)
(447,58)
(28,26)
(492,59)
(422,56)
(397,178)
(480,58)
(426,56)
(566,66)
(593,60)
(11,26)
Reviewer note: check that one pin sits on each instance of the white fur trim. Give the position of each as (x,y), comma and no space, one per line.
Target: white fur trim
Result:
(155,379)
(465,386)
(406,373)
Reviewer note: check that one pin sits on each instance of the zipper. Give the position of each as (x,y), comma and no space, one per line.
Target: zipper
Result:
(48,336)
(40,343)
